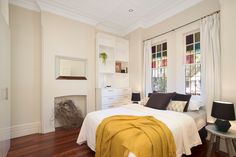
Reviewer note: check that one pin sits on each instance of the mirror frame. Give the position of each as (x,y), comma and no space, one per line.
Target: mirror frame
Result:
(57,68)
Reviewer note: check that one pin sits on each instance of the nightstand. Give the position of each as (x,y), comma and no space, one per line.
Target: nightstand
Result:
(229,137)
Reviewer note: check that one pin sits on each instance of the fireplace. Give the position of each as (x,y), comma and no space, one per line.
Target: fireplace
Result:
(69,111)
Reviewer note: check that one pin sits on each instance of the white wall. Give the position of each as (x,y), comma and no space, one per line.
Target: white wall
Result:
(4,8)
(37,38)
(25,56)
(135,61)
(65,37)
(228,40)
(175,81)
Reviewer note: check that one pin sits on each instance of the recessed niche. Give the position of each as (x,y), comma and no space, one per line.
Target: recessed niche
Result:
(121,67)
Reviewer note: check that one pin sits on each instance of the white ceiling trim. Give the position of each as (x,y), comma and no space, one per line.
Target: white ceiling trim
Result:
(65,12)
(31,5)
(171,12)
(61,10)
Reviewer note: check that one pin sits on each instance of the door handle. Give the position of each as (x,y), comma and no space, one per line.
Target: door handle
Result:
(6,94)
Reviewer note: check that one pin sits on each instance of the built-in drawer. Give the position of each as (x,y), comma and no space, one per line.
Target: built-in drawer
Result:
(115,99)
(109,100)
(115,91)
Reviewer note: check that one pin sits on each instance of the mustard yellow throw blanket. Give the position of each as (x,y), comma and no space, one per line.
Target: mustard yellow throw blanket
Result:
(144,136)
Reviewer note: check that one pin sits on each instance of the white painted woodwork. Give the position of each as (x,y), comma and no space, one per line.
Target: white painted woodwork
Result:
(112,15)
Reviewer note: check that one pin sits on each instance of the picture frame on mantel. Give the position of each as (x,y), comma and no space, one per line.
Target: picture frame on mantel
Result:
(68,68)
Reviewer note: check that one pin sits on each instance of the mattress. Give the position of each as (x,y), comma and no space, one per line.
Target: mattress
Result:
(199,118)
(182,126)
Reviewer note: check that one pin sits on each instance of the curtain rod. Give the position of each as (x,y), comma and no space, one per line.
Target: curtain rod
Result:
(181,26)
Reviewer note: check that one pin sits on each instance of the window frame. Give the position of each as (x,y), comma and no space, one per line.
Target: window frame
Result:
(195,93)
(161,42)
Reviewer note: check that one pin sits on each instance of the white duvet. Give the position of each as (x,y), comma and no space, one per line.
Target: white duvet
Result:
(181,125)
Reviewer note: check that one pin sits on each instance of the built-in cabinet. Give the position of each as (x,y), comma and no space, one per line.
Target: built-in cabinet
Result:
(112,71)
(112,97)
(5,84)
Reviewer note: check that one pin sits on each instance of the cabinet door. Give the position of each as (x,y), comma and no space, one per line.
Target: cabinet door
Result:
(122,50)
(4,87)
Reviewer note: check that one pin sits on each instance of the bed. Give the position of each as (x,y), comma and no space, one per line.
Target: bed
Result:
(184,126)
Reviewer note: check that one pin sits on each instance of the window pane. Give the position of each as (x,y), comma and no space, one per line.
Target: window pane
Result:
(164,63)
(192,86)
(197,37)
(187,85)
(189,39)
(197,47)
(198,70)
(158,48)
(187,70)
(189,59)
(153,49)
(189,48)
(192,71)
(153,64)
(198,58)
(164,53)
(159,55)
(164,46)
(153,55)
(159,63)
(198,85)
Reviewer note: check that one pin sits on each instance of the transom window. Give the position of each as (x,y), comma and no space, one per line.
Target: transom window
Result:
(159,66)
(192,64)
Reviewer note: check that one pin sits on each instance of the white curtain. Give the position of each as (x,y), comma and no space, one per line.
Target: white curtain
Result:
(147,67)
(211,65)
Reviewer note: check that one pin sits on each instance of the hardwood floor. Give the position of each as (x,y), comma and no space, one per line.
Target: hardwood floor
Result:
(62,143)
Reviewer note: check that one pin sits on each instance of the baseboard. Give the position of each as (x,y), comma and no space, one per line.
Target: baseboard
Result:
(25,129)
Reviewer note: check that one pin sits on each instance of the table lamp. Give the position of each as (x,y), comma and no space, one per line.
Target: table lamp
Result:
(223,111)
(135,98)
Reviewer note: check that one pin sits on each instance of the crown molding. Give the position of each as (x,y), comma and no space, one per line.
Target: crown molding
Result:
(171,12)
(28,4)
(110,30)
(58,9)
(65,12)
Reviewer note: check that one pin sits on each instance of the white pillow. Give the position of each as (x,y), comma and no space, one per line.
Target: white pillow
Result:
(177,106)
(194,105)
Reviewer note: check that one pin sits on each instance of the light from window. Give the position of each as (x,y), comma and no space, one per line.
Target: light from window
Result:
(159,64)
(193,64)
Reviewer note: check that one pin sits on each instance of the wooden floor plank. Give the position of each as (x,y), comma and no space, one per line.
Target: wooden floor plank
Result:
(62,143)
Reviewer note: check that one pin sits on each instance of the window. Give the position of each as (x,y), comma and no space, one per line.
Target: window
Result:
(159,64)
(192,64)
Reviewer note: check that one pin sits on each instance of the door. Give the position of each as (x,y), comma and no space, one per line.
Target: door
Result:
(4,87)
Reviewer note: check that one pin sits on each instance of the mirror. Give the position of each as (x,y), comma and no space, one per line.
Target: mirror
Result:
(71,68)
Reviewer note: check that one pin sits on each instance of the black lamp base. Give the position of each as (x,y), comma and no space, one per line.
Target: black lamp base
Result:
(135,102)
(222,125)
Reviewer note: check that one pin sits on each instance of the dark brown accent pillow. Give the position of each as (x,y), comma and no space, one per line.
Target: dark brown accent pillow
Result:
(182,97)
(160,100)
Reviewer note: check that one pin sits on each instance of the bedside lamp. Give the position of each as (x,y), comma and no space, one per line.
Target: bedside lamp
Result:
(223,111)
(135,98)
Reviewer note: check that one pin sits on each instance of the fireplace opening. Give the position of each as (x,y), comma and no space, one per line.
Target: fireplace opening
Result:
(69,112)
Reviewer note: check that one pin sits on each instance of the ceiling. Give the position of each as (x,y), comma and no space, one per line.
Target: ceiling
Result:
(112,15)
